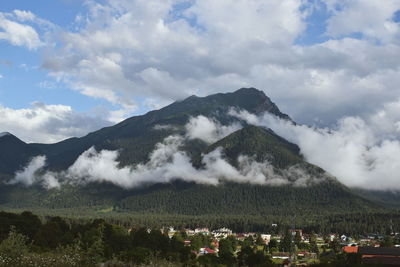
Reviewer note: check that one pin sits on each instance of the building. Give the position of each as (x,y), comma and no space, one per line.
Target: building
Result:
(204,251)
(266,238)
(350,249)
(280,255)
(189,232)
(204,231)
(380,256)
(222,233)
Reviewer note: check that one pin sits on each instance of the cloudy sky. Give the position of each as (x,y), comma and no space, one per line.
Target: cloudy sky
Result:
(68,67)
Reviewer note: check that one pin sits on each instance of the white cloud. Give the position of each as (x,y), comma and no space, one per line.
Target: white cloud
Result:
(167,163)
(19,34)
(373,18)
(48,123)
(209,130)
(360,153)
(24,15)
(31,174)
(27,175)
(151,49)
(155,52)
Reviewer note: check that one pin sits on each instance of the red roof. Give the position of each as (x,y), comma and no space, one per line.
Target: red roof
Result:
(348,249)
(209,251)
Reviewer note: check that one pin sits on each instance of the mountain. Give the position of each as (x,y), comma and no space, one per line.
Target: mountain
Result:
(14,154)
(260,144)
(4,134)
(137,137)
(386,198)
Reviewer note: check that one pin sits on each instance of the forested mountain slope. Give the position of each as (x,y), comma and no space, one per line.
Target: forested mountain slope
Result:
(136,138)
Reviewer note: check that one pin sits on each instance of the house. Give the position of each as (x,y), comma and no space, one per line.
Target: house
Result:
(280,255)
(171,232)
(266,238)
(204,251)
(189,232)
(306,255)
(294,231)
(350,249)
(240,237)
(380,256)
(222,233)
(352,244)
(204,231)
(209,251)
(332,237)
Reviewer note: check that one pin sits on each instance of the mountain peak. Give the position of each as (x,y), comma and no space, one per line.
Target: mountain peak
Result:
(4,134)
(252,100)
(249,90)
(261,143)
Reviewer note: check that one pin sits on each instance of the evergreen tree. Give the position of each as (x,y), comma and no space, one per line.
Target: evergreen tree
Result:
(286,242)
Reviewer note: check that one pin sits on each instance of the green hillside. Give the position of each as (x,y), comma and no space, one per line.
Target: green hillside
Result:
(262,144)
(14,154)
(136,137)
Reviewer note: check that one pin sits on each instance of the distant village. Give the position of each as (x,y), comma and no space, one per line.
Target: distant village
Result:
(25,240)
(298,247)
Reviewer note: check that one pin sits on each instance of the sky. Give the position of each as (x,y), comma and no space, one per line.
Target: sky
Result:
(69,67)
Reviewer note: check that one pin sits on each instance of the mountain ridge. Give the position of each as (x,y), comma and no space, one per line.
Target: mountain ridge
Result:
(62,154)
(135,138)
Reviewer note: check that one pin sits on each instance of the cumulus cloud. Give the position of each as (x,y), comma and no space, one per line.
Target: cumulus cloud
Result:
(355,17)
(154,50)
(166,50)
(167,163)
(161,51)
(19,34)
(48,123)
(24,15)
(359,152)
(24,28)
(208,130)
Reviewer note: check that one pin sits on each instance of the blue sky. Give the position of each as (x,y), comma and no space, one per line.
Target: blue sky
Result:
(24,80)
(108,60)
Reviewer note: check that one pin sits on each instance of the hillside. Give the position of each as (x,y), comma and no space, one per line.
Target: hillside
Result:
(262,144)
(136,138)
(14,154)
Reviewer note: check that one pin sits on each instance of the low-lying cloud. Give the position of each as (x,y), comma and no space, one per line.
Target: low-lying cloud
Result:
(48,123)
(32,174)
(167,163)
(359,152)
(209,130)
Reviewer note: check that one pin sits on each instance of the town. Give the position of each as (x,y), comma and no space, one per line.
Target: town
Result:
(293,248)
(28,240)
